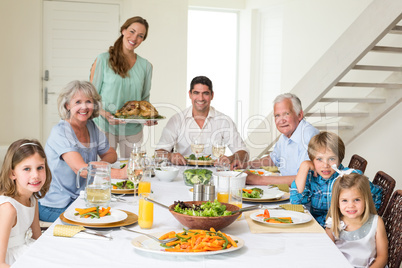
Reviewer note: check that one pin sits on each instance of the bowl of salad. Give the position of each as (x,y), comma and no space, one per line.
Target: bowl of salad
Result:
(193,176)
(204,214)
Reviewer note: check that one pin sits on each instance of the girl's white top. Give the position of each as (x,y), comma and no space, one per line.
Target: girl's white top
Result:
(20,236)
(359,246)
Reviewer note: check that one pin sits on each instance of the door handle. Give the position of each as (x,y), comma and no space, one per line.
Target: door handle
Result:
(46,77)
(46,94)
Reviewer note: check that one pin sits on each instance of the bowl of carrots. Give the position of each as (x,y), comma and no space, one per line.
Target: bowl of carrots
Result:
(205,223)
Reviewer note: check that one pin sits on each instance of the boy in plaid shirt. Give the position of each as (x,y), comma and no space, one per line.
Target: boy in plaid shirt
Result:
(315,178)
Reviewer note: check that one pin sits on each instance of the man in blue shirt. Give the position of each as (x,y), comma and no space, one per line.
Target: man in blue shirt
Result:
(291,149)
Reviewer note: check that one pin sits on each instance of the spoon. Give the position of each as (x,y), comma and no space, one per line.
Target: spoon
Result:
(153,201)
(241,173)
(151,236)
(248,208)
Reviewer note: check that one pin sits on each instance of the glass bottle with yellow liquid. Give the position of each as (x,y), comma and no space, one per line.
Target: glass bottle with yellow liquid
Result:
(145,212)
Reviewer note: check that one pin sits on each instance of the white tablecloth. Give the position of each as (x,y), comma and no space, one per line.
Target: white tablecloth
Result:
(263,250)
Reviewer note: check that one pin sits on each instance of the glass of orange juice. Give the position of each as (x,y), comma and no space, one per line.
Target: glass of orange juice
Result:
(144,186)
(145,212)
(223,189)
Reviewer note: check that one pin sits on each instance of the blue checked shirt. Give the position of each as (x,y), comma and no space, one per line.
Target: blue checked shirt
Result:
(318,192)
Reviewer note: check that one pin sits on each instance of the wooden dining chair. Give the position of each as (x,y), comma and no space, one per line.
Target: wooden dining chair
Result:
(358,162)
(393,226)
(387,184)
(44,225)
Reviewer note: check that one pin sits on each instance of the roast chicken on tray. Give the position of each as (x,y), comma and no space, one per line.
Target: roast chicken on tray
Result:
(137,108)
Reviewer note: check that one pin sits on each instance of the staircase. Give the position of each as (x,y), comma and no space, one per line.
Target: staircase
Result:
(355,83)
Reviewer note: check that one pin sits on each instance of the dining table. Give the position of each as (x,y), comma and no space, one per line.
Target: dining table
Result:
(279,248)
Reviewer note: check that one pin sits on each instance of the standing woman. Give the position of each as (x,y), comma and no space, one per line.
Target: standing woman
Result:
(121,75)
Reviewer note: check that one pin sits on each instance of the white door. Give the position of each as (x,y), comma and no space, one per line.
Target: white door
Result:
(74,33)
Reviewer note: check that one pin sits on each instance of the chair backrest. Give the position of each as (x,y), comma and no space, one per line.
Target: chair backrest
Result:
(393,225)
(387,184)
(358,162)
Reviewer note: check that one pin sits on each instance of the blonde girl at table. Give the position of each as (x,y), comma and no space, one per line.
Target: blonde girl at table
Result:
(121,75)
(24,178)
(353,224)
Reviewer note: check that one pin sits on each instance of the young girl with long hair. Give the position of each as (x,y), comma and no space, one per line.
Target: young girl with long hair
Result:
(353,224)
(24,178)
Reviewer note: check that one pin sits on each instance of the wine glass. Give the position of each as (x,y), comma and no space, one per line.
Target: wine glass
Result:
(160,158)
(197,148)
(135,169)
(218,150)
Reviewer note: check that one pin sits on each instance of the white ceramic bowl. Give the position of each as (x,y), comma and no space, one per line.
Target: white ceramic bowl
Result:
(235,182)
(167,173)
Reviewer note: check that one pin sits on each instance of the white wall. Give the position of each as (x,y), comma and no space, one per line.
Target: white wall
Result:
(381,146)
(310,28)
(20,69)
(166,49)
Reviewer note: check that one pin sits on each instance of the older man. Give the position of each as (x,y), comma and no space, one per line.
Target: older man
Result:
(291,149)
(203,123)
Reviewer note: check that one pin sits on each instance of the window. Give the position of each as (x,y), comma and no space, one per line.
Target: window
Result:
(212,51)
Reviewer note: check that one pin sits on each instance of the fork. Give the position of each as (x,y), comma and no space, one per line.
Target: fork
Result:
(119,198)
(92,232)
(151,236)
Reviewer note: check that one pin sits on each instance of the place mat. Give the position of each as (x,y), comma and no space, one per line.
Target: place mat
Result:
(131,218)
(284,197)
(282,187)
(293,207)
(261,228)
(122,191)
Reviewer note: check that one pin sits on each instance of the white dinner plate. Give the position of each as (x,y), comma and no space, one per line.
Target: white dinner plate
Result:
(120,191)
(200,162)
(115,216)
(297,217)
(140,121)
(120,162)
(269,193)
(144,243)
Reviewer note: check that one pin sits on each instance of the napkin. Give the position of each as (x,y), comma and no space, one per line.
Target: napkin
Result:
(282,187)
(74,231)
(273,169)
(261,228)
(67,230)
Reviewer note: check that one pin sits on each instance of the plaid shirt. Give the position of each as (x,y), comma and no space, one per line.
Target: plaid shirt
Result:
(318,192)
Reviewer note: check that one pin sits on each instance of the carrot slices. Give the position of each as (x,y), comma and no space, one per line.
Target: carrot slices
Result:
(93,212)
(198,241)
